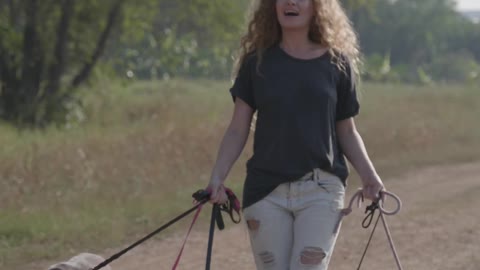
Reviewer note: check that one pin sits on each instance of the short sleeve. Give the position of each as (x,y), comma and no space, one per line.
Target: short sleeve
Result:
(347,101)
(243,87)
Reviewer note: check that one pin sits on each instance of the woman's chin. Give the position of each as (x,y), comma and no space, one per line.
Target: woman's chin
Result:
(294,26)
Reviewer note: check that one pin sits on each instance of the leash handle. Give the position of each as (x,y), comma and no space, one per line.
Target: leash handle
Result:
(235,203)
(370,211)
(231,206)
(358,197)
(395,210)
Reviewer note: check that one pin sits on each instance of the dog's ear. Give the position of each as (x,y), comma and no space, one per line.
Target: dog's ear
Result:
(62,266)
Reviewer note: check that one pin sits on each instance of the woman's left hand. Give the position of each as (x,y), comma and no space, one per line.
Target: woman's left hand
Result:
(372,187)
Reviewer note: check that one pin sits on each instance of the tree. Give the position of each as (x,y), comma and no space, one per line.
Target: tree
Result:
(413,34)
(194,38)
(47,49)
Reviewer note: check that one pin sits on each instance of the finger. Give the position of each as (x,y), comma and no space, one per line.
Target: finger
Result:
(365,192)
(368,192)
(220,195)
(380,190)
(213,195)
(373,194)
(376,193)
(223,198)
(383,196)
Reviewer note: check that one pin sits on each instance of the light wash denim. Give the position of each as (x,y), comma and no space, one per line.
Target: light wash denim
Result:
(293,227)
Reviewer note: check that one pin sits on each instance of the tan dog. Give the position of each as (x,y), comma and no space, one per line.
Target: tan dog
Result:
(83,261)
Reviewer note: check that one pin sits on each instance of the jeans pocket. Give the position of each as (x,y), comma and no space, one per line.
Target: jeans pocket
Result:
(336,192)
(337,202)
(331,185)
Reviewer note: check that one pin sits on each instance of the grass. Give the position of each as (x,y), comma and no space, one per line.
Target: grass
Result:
(406,127)
(145,147)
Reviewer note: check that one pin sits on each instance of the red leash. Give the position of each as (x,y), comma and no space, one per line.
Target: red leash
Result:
(201,197)
(199,209)
(232,205)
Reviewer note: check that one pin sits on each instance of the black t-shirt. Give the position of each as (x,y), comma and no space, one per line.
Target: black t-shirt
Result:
(298,103)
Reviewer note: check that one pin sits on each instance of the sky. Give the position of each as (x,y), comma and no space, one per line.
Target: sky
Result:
(468,4)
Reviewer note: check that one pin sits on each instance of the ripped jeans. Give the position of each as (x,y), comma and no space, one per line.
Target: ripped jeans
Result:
(293,227)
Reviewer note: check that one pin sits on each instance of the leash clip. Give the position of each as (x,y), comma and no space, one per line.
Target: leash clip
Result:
(371,212)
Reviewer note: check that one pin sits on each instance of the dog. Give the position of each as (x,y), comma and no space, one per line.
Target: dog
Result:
(83,261)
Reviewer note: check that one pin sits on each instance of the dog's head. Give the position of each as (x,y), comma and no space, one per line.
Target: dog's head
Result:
(64,266)
(83,261)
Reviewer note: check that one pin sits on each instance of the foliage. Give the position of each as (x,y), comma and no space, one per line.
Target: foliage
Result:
(460,67)
(413,36)
(49,48)
(189,39)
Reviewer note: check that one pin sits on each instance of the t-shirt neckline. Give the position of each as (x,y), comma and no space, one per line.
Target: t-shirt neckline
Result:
(283,52)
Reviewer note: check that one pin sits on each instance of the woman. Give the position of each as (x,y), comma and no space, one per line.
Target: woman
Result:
(297,70)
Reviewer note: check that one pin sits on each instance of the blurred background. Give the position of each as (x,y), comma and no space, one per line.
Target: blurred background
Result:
(111,112)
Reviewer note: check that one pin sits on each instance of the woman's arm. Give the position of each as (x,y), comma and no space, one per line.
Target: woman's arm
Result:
(231,147)
(354,149)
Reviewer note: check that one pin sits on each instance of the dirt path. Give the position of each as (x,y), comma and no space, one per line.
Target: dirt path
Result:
(438,228)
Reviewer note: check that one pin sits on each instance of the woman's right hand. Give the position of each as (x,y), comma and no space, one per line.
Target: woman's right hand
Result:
(217,192)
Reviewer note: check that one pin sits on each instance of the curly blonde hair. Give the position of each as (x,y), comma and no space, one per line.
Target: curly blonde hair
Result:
(330,27)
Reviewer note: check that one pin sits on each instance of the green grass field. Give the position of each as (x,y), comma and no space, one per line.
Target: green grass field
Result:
(146,146)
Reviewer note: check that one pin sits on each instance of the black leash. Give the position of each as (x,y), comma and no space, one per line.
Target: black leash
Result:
(367,221)
(365,224)
(215,214)
(378,205)
(232,205)
(201,197)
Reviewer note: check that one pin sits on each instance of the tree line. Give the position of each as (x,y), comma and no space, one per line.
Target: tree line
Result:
(48,48)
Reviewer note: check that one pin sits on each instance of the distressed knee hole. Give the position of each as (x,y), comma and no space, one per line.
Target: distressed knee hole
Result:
(267,257)
(312,256)
(253,224)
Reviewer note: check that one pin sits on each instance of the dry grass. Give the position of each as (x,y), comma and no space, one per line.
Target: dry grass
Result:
(406,127)
(148,146)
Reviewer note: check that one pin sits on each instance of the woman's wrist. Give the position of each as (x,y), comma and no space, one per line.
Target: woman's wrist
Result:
(368,174)
(370,178)
(216,180)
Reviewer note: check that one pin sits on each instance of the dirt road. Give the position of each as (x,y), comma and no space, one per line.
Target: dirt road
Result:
(438,228)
